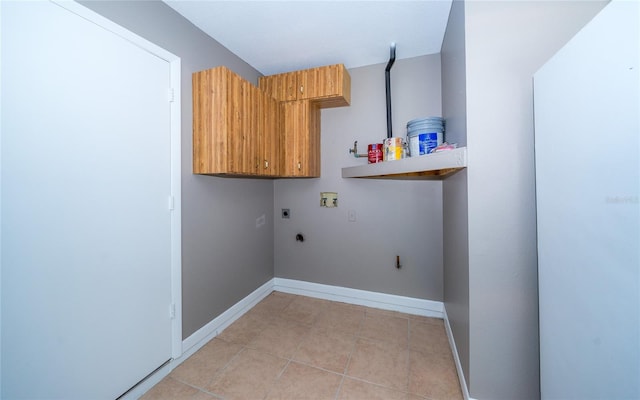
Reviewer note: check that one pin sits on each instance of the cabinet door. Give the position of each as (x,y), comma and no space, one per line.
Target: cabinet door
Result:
(269,136)
(300,122)
(282,87)
(330,86)
(320,82)
(225,124)
(251,132)
(211,120)
(234,131)
(242,139)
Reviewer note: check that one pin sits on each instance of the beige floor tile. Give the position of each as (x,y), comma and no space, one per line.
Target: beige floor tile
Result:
(329,350)
(340,317)
(304,309)
(300,382)
(379,311)
(280,338)
(200,368)
(384,364)
(387,328)
(272,305)
(352,389)
(433,377)
(349,305)
(382,354)
(249,376)
(428,338)
(170,389)
(244,330)
(204,396)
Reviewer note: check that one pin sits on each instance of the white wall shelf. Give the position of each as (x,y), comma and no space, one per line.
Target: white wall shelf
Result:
(432,166)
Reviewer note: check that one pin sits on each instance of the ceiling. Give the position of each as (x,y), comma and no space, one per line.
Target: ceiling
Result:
(281,36)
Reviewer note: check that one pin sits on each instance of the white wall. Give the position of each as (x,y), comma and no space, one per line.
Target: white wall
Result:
(589,212)
(506,42)
(393,217)
(88,238)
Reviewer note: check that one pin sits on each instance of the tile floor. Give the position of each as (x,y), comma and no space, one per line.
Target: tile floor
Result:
(296,347)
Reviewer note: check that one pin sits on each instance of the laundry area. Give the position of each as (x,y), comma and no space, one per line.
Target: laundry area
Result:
(185,200)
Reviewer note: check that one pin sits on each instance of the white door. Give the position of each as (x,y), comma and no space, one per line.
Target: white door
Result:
(86,234)
(587,142)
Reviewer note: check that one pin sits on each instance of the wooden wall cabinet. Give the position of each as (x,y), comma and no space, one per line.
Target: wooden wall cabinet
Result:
(235,126)
(329,86)
(271,131)
(302,94)
(300,130)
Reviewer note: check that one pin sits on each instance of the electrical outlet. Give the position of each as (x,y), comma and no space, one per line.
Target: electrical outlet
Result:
(351,215)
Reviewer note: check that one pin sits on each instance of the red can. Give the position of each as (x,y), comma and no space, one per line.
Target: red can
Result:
(375,153)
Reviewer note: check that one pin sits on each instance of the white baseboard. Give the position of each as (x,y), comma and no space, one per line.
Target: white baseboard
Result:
(456,358)
(203,335)
(409,305)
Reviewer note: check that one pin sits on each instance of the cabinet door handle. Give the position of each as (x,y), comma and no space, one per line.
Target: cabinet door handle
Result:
(301,89)
(299,166)
(266,164)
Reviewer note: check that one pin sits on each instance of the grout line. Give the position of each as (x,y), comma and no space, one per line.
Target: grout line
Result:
(339,387)
(217,396)
(353,350)
(355,378)
(275,381)
(226,365)
(346,367)
(199,389)
(306,364)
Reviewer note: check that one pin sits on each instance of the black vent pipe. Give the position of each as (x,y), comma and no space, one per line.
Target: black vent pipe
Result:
(387,76)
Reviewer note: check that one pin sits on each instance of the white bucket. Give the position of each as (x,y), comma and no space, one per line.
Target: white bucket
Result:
(423,142)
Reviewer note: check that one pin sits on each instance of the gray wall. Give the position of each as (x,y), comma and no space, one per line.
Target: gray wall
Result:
(506,42)
(393,217)
(454,189)
(224,256)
